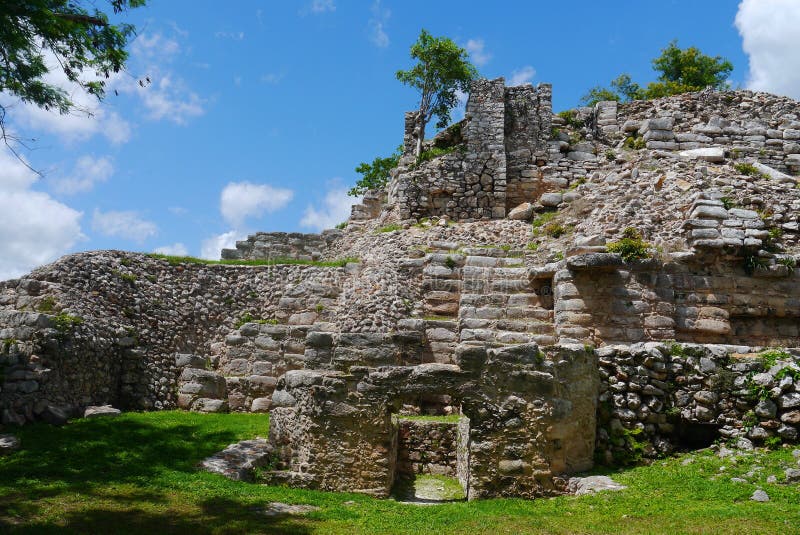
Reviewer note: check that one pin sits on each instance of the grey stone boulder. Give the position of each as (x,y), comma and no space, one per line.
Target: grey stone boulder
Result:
(551,200)
(54,415)
(760,496)
(709,154)
(581,486)
(595,261)
(187,360)
(522,212)
(210,405)
(773,174)
(97,411)
(8,444)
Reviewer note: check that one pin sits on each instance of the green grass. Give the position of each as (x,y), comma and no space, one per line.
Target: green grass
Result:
(137,474)
(177,260)
(389,228)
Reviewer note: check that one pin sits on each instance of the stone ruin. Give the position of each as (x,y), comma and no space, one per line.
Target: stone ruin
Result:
(479,284)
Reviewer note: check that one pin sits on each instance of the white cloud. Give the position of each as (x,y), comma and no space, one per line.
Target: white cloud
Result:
(317,7)
(477,52)
(34,228)
(335,209)
(164,94)
(770,38)
(212,247)
(240,200)
(88,171)
(377,25)
(154,46)
(88,118)
(167,97)
(271,78)
(123,224)
(522,76)
(176,249)
(235,36)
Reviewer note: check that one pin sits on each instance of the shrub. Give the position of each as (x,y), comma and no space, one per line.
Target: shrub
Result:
(543,219)
(753,263)
(450,263)
(47,304)
(631,246)
(64,322)
(342,225)
(435,152)
(634,143)
(611,155)
(390,228)
(747,169)
(789,262)
(571,118)
(555,230)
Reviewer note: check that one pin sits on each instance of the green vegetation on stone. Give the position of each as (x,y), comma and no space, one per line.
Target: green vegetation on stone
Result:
(389,228)
(681,70)
(177,260)
(375,175)
(631,246)
(442,69)
(747,169)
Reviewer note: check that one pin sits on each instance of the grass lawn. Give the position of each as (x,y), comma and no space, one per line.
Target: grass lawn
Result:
(136,474)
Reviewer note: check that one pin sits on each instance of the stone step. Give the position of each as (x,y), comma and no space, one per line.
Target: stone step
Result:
(505,337)
(493,273)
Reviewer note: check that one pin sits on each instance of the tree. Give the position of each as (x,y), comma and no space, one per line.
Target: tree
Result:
(443,69)
(681,71)
(623,89)
(684,70)
(375,175)
(74,33)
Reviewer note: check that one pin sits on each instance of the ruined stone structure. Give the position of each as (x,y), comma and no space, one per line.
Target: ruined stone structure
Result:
(483,282)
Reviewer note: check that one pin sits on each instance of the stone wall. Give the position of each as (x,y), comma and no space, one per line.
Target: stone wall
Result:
(427,447)
(505,130)
(528,415)
(281,245)
(761,126)
(601,299)
(528,113)
(656,397)
(136,313)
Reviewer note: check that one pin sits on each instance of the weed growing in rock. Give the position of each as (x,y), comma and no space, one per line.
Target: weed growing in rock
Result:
(543,219)
(571,118)
(634,143)
(753,263)
(631,246)
(47,304)
(771,357)
(747,169)
(789,262)
(389,228)
(64,323)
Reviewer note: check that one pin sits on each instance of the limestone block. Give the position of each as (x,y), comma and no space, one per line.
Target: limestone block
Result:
(522,212)
(551,199)
(710,154)
(102,410)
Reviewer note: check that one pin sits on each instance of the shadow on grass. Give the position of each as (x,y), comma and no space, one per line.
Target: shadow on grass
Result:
(215,516)
(109,472)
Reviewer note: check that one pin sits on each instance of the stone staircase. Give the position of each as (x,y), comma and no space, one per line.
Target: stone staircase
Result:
(499,303)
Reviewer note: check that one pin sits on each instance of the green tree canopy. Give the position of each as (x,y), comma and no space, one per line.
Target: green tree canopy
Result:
(442,69)
(375,175)
(75,32)
(681,71)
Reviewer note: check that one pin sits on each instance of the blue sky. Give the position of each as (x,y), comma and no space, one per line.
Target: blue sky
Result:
(258,112)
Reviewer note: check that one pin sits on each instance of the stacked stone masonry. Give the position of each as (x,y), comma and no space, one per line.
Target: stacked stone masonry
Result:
(554,351)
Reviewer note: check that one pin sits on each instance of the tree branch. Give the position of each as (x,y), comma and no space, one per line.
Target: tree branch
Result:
(84,19)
